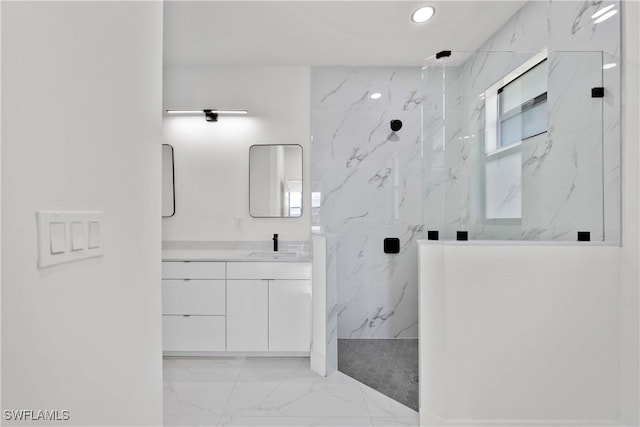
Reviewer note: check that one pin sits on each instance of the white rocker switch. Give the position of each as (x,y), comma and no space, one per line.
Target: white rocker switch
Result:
(77,236)
(57,237)
(94,235)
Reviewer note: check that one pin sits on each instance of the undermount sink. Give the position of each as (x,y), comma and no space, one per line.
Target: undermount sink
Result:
(271,254)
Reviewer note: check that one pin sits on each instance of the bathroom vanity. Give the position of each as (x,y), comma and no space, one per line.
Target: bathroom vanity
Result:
(236,301)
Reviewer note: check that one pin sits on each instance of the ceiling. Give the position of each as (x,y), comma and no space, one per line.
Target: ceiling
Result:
(358,33)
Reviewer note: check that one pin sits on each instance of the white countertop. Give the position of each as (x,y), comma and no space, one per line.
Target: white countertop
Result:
(236,251)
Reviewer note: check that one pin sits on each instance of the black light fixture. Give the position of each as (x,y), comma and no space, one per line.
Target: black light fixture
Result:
(211,115)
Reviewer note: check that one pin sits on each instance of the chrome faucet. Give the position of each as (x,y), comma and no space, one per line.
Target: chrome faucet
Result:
(275,243)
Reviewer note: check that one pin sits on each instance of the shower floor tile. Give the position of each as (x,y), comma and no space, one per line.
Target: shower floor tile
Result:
(389,366)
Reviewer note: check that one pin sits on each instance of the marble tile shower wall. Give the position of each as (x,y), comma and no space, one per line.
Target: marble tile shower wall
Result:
(571,174)
(367,185)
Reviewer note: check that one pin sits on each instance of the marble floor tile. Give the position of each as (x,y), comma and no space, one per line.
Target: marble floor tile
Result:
(296,399)
(202,369)
(271,392)
(296,421)
(279,369)
(196,398)
(395,422)
(191,420)
(380,405)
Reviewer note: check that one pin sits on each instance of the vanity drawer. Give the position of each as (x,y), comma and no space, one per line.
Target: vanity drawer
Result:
(192,270)
(268,270)
(193,333)
(189,296)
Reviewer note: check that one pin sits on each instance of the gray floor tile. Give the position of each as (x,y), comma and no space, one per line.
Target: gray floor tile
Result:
(387,365)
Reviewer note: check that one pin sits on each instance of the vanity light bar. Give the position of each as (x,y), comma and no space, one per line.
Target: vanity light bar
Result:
(231,111)
(210,114)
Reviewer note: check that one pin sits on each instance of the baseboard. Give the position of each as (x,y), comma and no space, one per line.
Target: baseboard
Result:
(427,419)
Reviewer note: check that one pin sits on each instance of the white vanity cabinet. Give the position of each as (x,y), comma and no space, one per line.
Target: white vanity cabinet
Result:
(193,306)
(236,306)
(282,323)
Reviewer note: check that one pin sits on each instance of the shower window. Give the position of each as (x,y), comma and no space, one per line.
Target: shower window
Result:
(516,105)
(522,106)
(515,110)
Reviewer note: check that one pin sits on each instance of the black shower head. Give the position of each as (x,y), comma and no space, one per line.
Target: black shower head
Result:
(396,125)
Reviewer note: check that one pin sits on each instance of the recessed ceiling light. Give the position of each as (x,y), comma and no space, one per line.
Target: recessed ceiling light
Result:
(602,11)
(605,16)
(609,66)
(376,95)
(423,14)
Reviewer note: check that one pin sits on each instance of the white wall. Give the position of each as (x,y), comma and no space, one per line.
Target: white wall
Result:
(0,208)
(519,334)
(81,130)
(630,251)
(212,159)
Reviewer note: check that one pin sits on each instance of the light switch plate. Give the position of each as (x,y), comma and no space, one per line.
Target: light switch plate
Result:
(57,237)
(94,234)
(78,241)
(55,229)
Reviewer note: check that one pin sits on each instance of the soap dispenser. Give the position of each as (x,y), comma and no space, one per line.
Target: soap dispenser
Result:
(275,243)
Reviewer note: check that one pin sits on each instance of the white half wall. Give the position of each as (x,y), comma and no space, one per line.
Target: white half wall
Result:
(211,160)
(82,130)
(324,349)
(519,334)
(319,307)
(630,250)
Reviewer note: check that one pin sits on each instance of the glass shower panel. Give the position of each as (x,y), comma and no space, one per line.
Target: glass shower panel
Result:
(529,169)
(434,175)
(566,168)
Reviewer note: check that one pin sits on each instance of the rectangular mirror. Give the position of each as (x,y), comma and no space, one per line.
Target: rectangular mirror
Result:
(275,181)
(168,186)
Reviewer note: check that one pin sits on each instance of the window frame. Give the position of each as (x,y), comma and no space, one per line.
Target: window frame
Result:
(492,124)
(493,148)
(519,109)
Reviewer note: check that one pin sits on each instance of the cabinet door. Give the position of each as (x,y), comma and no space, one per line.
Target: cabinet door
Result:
(247,305)
(289,315)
